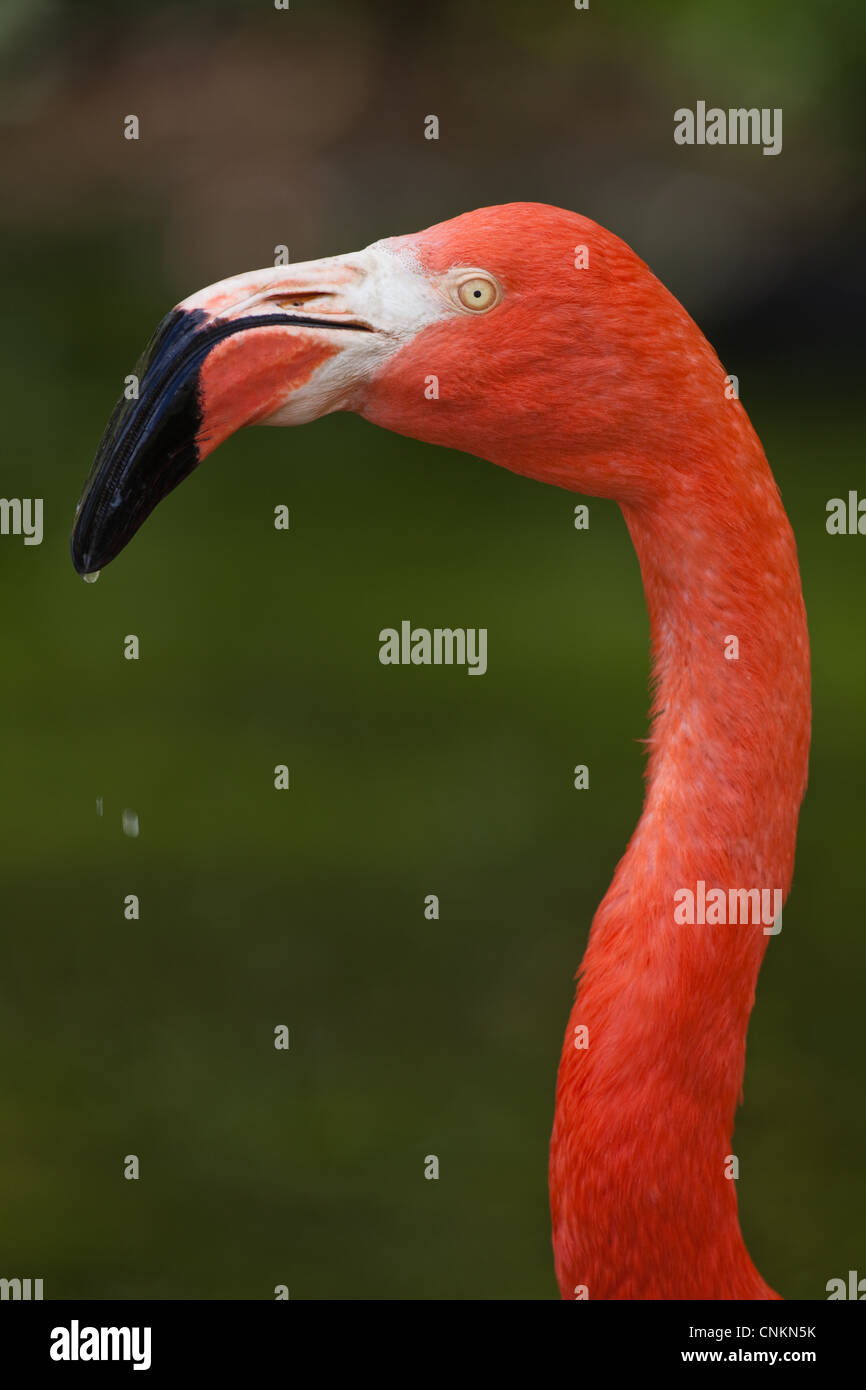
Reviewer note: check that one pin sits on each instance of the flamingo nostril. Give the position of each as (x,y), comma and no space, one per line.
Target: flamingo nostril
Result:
(299,299)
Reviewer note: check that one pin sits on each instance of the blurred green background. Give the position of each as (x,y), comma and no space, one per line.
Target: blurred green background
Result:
(259,647)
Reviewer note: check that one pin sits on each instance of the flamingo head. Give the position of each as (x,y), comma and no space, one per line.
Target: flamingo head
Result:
(523,334)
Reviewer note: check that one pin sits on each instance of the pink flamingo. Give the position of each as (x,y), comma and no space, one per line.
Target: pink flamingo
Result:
(532,337)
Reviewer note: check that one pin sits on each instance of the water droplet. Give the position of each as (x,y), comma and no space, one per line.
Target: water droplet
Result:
(130,823)
(92,577)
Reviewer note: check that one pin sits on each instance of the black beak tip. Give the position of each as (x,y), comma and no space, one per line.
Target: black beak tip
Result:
(83,558)
(107,516)
(148,447)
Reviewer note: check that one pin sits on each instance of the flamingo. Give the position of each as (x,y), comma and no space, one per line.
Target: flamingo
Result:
(533,338)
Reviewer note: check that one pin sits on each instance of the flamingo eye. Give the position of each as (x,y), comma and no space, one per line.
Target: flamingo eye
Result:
(478,292)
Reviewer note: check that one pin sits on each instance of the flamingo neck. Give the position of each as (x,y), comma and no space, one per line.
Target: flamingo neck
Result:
(643,1187)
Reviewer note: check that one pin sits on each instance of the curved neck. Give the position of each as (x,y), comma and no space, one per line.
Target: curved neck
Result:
(731,713)
(640,1160)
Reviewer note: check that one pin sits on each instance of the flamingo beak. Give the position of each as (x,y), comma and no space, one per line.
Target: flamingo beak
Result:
(280,346)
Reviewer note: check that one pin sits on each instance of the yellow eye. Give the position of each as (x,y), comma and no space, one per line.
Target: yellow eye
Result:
(477,292)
